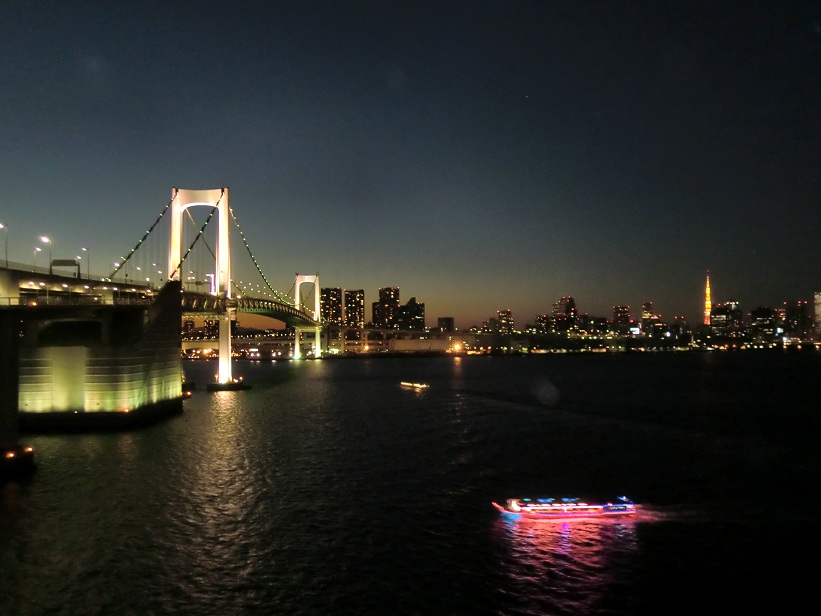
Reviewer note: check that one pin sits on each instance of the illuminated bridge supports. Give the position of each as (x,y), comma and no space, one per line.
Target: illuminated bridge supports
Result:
(215,198)
(314,280)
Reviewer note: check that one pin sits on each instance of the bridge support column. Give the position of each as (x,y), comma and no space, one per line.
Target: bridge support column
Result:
(297,349)
(9,378)
(317,341)
(225,375)
(14,459)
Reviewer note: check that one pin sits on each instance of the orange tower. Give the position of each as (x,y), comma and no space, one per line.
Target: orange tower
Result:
(708,305)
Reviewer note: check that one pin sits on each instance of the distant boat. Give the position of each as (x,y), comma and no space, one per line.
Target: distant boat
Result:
(564,508)
(410,385)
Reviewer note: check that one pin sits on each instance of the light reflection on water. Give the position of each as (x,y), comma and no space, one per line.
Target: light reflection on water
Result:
(565,566)
(328,489)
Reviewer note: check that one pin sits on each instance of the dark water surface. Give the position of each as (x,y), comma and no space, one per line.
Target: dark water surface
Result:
(329,489)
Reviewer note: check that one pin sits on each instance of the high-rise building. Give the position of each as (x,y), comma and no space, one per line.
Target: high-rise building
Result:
(727,318)
(446,324)
(797,320)
(386,309)
(354,315)
(650,321)
(491,326)
(708,303)
(763,323)
(411,316)
(621,319)
(211,328)
(564,313)
(330,305)
(505,320)
(818,313)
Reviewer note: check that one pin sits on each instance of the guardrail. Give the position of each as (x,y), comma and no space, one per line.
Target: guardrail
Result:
(61,273)
(79,300)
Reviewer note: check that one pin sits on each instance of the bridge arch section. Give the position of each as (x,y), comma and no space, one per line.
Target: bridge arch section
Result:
(298,282)
(182,199)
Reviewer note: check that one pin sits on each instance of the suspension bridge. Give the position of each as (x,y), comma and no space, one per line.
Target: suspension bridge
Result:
(94,346)
(225,297)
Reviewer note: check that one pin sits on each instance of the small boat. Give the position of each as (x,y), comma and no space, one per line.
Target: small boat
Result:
(563,508)
(410,385)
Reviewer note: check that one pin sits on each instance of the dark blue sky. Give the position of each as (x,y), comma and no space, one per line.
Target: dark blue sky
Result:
(480,155)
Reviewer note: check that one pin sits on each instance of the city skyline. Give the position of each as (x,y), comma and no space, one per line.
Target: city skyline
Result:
(488,155)
(634,313)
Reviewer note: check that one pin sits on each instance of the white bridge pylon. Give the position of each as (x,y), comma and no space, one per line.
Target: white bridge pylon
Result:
(182,199)
(298,281)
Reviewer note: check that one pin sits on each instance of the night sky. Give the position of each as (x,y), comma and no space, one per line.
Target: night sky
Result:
(479,155)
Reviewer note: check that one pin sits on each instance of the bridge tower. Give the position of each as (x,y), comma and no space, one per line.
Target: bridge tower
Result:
(300,279)
(182,199)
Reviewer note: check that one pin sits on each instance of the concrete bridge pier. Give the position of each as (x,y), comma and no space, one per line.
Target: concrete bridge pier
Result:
(225,375)
(317,331)
(14,459)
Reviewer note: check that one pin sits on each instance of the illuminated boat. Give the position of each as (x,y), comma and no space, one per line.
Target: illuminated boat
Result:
(563,508)
(410,385)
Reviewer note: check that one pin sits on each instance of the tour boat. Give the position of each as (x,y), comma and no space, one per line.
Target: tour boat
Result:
(553,508)
(414,385)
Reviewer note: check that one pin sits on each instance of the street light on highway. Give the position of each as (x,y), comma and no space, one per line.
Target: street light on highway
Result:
(88,262)
(36,250)
(45,240)
(6,229)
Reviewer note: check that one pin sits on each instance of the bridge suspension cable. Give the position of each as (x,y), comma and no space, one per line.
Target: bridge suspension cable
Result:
(279,295)
(196,239)
(147,233)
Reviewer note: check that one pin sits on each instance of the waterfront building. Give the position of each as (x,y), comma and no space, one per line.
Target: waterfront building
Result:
(385,310)
(592,326)
(680,329)
(818,313)
(621,319)
(564,314)
(330,305)
(797,319)
(650,321)
(505,320)
(211,328)
(411,316)
(446,324)
(763,324)
(727,319)
(354,314)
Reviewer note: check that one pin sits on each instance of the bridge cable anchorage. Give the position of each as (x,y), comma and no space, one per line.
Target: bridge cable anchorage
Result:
(147,233)
(282,298)
(196,239)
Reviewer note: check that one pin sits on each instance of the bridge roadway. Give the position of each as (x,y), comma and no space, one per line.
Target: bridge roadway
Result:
(211,304)
(20,287)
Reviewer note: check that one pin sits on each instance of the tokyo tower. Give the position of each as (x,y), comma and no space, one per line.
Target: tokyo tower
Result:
(708,305)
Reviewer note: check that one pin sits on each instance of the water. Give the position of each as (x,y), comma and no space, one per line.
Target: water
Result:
(329,489)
